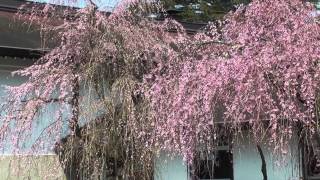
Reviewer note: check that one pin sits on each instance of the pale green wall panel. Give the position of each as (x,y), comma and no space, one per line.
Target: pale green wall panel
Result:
(43,167)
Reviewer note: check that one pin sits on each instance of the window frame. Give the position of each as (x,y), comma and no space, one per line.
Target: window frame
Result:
(228,149)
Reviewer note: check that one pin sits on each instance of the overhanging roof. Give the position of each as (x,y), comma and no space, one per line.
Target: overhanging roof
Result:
(21,52)
(18,39)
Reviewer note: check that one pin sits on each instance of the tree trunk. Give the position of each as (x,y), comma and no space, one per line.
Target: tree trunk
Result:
(73,123)
(264,165)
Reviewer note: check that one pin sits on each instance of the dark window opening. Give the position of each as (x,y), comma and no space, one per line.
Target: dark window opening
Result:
(311,159)
(216,165)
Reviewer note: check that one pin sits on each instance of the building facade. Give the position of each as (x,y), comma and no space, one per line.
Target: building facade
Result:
(20,46)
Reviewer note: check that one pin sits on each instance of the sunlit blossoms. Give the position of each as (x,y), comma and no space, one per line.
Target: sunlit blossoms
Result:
(266,77)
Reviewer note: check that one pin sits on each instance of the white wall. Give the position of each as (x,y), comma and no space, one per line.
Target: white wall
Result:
(246,160)
(170,168)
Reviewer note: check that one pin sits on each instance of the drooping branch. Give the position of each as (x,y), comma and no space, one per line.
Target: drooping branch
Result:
(91,3)
(212,42)
(46,100)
